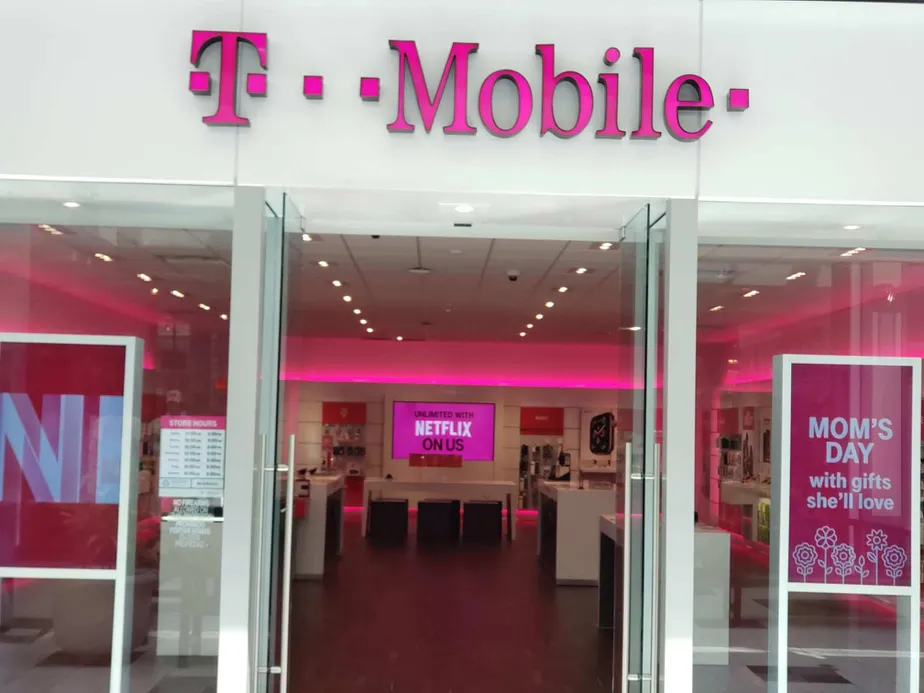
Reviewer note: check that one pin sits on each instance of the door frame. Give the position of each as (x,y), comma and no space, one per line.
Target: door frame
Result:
(237,658)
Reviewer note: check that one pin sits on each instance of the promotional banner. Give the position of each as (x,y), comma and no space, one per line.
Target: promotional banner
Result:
(447,428)
(61,408)
(846,490)
(850,474)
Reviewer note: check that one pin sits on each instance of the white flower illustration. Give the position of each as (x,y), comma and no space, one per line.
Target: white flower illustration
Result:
(825,539)
(894,559)
(806,556)
(877,540)
(844,558)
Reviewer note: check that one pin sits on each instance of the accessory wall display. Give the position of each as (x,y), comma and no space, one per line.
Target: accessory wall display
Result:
(601,434)
(343,440)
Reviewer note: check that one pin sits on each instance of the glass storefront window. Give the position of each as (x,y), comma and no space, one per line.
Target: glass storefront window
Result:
(107,467)
(804,280)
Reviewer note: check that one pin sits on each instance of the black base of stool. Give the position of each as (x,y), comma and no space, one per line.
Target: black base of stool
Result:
(388,521)
(482,522)
(438,522)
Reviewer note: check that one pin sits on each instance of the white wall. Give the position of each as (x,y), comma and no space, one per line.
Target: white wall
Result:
(98,89)
(578,404)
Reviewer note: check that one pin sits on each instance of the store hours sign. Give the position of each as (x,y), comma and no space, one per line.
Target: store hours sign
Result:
(846,495)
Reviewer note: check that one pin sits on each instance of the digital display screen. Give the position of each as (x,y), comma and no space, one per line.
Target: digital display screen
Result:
(449,428)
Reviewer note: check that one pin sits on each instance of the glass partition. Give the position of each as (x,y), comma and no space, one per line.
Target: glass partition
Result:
(83,266)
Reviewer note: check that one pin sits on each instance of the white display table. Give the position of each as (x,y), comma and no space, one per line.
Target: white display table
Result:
(568,530)
(711,587)
(504,491)
(747,494)
(320,531)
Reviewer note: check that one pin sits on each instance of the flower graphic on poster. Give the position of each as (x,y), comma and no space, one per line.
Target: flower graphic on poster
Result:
(844,558)
(876,541)
(806,556)
(894,559)
(825,539)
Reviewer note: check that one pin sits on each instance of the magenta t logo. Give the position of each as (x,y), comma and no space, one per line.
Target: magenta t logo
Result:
(200,82)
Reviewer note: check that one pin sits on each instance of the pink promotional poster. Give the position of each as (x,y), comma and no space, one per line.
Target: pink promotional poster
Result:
(851,474)
(420,428)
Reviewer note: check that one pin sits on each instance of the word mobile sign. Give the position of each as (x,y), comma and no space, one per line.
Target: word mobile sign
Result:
(846,492)
(420,428)
(687,93)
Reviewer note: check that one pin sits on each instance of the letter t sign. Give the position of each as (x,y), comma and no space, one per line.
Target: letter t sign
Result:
(200,82)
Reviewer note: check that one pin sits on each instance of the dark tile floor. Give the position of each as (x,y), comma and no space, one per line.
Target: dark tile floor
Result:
(462,620)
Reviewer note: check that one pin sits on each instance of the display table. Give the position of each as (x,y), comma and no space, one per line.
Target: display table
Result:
(593,474)
(568,530)
(748,495)
(504,491)
(319,533)
(711,574)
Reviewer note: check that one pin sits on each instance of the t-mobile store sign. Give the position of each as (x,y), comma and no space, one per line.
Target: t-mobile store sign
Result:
(686,93)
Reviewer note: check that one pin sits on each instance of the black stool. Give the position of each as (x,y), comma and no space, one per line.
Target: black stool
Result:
(438,521)
(482,522)
(388,521)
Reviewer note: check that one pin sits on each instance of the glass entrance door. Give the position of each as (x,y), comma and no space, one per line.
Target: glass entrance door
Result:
(277,506)
(636,656)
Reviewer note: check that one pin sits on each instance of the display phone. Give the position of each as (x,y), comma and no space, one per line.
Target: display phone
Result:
(601,434)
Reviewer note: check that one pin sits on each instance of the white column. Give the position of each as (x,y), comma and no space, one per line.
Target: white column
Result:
(679,483)
(236,649)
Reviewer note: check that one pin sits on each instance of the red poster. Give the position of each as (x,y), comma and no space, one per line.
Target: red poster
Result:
(748,415)
(434,460)
(353,413)
(542,421)
(851,470)
(61,421)
(727,421)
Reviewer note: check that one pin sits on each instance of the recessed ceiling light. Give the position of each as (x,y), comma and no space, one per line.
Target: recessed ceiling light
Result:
(143,277)
(580,270)
(204,306)
(529,326)
(178,294)
(539,316)
(400,339)
(357,311)
(72,205)
(851,253)
(562,289)
(605,246)
(51,230)
(337,283)
(522,334)
(363,321)
(634,328)
(306,237)
(347,298)
(103,257)
(751,293)
(797,275)
(464,209)
(549,304)
(851,227)
(716,308)
(369,330)
(155,291)
(733,361)
(223,316)
(323,263)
